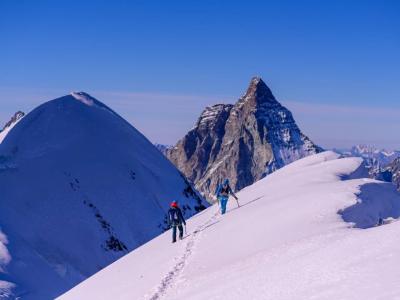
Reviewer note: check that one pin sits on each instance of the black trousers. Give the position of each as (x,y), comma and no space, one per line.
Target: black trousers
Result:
(174,232)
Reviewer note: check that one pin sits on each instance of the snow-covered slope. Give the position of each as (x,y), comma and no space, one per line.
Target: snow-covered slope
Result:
(79,188)
(287,241)
(10,124)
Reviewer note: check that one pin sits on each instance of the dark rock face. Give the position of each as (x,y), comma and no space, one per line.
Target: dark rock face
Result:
(200,148)
(16,117)
(162,148)
(243,142)
(395,171)
(10,124)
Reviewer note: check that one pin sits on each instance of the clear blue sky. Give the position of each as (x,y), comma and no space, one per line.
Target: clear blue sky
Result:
(335,64)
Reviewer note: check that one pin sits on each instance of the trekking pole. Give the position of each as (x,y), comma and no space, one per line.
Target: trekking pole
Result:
(237,201)
(219,204)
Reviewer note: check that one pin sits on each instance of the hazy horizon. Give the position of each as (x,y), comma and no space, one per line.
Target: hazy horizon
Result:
(334,64)
(187,108)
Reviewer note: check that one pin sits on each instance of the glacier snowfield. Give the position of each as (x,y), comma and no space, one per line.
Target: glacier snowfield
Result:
(288,240)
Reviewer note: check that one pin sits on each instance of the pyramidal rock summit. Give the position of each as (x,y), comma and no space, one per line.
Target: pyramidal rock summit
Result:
(243,142)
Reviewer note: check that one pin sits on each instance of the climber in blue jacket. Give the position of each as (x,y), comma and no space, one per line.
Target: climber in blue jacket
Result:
(222,193)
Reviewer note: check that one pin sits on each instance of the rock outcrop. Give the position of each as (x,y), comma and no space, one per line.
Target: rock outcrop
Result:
(390,173)
(10,124)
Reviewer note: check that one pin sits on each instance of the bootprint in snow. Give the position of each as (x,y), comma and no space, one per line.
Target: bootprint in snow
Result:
(170,279)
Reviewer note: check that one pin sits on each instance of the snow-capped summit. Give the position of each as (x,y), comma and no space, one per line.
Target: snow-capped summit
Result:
(83,97)
(10,124)
(258,92)
(243,142)
(375,156)
(80,187)
(63,121)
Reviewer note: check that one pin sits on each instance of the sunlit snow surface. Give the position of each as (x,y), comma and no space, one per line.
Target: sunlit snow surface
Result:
(286,241)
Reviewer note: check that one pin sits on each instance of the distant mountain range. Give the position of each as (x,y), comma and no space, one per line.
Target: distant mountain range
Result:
(374,156)
(382,164)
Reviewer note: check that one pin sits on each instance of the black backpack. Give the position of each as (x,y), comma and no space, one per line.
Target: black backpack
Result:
(225,190)
(174,215)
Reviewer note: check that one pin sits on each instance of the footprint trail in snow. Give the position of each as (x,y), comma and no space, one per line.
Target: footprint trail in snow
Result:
(169,280)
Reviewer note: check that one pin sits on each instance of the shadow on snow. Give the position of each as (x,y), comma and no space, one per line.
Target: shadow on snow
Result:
(376,202)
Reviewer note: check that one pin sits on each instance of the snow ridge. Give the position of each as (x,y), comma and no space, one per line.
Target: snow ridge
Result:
(83,97)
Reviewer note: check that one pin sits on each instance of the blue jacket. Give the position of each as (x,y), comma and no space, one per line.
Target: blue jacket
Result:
(228,190)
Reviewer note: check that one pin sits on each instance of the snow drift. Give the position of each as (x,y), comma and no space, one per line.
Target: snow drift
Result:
(286,241)
(80,187)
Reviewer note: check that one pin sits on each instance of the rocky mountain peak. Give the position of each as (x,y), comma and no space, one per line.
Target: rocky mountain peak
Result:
(16,117)
(243,142)
(257,93)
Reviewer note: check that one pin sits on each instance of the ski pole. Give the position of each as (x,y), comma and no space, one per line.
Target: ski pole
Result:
(185,230)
